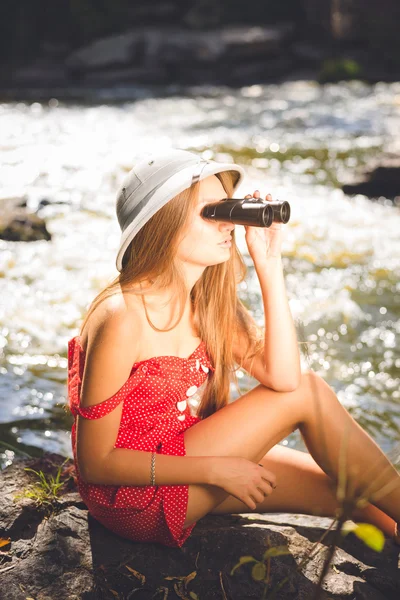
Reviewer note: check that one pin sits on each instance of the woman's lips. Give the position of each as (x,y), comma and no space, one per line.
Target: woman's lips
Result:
(226,244)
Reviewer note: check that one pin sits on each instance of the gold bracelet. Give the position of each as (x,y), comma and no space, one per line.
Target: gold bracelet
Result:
(152,471)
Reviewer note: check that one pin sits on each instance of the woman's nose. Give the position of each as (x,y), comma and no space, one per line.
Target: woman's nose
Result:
(226,225)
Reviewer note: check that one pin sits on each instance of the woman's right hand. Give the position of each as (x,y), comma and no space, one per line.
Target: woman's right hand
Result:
(245,480)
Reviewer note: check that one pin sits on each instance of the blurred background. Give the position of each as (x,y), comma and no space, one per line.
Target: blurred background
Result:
(305,94)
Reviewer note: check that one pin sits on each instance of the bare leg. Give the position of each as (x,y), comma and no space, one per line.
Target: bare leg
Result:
(303,488)
(336,440)
(253,424)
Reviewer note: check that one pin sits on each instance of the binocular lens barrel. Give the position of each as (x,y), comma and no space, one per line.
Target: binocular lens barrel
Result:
(253,212)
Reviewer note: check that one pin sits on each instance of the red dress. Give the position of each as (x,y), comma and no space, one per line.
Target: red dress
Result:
(155,414)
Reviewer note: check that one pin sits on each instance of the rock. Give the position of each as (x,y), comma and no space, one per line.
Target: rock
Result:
(247,73)
(379,179)
(10,203)
(309,53)
(114,50)
(225,44)
(171,54)
(36,72)
(127,75)
(340,29)
(24,228)
(17,224)
(48,67)
(61,552)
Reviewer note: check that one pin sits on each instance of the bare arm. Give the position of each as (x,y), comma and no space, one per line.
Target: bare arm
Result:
(112,350)
(278,366)
(132,467)
(281,351)
(238,476)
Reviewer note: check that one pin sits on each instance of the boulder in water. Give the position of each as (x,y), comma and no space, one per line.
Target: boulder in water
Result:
(18,224)
(382,178)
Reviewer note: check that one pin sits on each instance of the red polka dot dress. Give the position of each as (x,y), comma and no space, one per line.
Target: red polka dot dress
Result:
(156,411)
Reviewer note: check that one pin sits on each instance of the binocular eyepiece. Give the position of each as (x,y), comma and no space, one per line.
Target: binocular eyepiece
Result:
(249,211)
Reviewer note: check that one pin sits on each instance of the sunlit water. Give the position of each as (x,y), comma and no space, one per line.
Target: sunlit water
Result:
(296,140)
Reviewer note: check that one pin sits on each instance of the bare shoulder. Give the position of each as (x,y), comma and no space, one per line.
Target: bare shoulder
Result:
(113,333)
(112,347)
(115,326)
(112,313)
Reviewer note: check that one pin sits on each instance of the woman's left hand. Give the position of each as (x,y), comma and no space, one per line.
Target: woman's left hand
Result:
(263,242)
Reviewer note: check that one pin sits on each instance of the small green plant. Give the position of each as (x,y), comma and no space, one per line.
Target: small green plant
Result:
(339,69)
(262,568)
(47,489)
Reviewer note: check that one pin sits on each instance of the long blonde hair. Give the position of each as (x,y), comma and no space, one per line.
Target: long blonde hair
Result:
(218,314)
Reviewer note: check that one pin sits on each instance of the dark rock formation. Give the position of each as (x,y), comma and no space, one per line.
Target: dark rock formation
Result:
(229,55)
(51,48)
(62,553)
(379,179)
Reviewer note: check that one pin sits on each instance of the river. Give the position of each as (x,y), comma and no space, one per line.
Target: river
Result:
(297,140)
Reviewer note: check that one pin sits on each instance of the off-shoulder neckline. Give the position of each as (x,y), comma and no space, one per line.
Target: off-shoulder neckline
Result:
(77,340)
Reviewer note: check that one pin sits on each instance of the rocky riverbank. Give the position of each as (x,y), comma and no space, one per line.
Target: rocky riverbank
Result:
(67,51)
(235,56)
(61,552)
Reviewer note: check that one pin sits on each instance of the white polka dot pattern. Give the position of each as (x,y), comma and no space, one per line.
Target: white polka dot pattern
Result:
(155,415)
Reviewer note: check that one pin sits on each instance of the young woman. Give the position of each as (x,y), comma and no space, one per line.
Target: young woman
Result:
(150,463)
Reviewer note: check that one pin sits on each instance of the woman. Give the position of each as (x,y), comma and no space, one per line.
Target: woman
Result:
(149,465)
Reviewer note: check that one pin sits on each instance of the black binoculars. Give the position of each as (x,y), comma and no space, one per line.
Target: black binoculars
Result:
(248,211)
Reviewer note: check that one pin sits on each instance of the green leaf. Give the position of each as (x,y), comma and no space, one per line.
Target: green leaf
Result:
(29,469)
(246,559)
(370,535)
(193,595)
(242,560)
(276,551)
(258,571)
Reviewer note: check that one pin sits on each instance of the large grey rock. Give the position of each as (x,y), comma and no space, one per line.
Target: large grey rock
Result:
(65,554)
(114,50)
(229,43)
(156,55)
(37,71)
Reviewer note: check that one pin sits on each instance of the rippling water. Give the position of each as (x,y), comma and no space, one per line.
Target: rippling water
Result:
(297,140)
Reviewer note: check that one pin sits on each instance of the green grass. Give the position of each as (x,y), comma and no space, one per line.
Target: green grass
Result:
(46,490)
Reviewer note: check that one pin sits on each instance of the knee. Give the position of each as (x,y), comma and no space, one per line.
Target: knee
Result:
(315,388)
